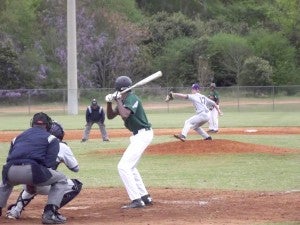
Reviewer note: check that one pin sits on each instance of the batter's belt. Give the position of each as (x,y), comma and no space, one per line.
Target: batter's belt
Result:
(143,129)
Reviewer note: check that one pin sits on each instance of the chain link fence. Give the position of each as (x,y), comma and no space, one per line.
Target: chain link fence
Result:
(236,98)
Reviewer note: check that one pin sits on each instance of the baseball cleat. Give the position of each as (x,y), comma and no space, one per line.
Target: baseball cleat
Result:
(50,217)
(137,203)
(208,138)
(180,137)
(147,200)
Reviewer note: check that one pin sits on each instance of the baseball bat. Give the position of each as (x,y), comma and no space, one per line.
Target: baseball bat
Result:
(144,81)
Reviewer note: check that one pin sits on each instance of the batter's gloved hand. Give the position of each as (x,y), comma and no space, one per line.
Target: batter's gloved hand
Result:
(109,98)
(116,95)
(169,97)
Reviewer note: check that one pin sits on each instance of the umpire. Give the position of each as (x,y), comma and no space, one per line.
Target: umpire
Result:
(31,160)
(94,114)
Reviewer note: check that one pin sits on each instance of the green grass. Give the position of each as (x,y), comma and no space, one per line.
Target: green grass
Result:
(168,120)
(229,171)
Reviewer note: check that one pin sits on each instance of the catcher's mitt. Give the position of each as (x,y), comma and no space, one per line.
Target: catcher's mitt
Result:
(169,97)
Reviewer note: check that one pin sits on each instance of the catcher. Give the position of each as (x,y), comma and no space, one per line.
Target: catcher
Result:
(202,105)
(65,155)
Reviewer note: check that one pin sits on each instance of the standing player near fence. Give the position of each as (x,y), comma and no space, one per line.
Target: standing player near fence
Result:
(130,108)
(201,104)
(213,123)
(66,156)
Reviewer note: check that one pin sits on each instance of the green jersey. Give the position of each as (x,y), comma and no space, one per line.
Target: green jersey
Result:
(137,119)
(214,95)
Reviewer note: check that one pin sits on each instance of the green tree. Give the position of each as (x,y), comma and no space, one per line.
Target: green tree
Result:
(228,53)
(177,62)
(10,75)
(19,19)
(256,72)
(276,49)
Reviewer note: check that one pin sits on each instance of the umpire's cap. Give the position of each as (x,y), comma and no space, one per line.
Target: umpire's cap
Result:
(41,119)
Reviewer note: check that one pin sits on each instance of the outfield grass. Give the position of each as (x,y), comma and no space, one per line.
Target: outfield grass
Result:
(230,171)
(168,120)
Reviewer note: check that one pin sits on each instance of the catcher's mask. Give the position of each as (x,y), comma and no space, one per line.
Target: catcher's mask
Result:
(41,119)
(94,102)
(57,130)
(122,83)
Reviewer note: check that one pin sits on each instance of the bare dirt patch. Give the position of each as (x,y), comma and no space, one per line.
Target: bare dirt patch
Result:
(177,206)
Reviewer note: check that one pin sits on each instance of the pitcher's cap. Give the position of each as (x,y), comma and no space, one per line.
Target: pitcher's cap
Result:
(196,87)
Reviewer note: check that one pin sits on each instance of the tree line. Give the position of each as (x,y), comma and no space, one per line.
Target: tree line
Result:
(229,42)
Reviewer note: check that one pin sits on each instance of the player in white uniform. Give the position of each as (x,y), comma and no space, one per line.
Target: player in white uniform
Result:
(202,105)
(213,123)
(66,156)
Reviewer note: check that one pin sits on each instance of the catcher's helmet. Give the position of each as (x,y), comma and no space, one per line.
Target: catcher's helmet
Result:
(122,83)
(41,119)
(57,130)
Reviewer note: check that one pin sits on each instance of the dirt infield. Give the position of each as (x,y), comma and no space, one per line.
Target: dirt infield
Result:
(178,206)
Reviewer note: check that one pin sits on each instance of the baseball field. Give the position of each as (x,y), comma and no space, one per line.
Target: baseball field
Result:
(247,175)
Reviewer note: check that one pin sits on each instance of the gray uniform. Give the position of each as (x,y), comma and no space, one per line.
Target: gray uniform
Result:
(30,161)
(201,104)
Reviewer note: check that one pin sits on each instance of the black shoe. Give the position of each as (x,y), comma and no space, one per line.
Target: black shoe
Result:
(51,216)
(137,203)
(208,138)
(180,137)
(210,131)
(147,199)
(105,139)
(214,131)
(83,140)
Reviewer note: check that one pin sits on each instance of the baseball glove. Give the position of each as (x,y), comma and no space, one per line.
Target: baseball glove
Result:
(169,97)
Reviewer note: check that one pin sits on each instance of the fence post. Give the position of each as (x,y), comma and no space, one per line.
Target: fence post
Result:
(238,97)
(29,102)
(273,96)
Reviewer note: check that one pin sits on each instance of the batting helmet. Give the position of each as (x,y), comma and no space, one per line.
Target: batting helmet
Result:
(41,119)
(122,83)
(57,130)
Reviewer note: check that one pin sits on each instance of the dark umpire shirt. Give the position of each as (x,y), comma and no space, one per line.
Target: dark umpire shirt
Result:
(95,114)
(36,147)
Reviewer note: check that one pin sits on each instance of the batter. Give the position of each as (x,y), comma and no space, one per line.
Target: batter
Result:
(130,108)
